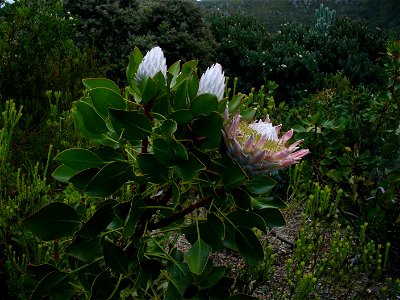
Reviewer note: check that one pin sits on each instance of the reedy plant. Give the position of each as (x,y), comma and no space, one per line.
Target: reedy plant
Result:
(162,141)
(328,260)
(9,119)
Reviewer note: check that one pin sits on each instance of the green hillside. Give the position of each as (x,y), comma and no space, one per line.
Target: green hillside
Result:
(379,13)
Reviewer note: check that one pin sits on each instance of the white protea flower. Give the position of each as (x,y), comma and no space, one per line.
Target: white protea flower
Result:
(152,63)
(257,147)
(213,82)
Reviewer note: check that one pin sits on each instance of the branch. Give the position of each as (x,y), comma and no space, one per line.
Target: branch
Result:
(181,214)
(274,234)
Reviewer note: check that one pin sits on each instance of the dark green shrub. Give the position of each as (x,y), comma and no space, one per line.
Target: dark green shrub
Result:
(116,27)
(293,68)
(241,40)
(38,53)
(185,36)
(105,25)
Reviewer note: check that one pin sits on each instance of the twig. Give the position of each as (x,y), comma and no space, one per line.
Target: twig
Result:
(181,214)
(347,216)
(274,234)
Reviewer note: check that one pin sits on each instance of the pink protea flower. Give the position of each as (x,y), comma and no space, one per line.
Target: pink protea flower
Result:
(153,62)
(257,147)
(213,82)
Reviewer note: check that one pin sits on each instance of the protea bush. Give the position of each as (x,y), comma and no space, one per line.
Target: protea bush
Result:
(156,158)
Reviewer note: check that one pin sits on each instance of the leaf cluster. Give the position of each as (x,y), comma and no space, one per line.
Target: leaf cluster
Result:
(161,140)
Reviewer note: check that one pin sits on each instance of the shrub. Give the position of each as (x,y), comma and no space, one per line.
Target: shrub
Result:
(105,26)
(116,27)
(184,37)
(37,51)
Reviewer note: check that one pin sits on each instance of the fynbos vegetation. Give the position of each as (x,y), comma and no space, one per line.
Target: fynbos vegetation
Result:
(225,161)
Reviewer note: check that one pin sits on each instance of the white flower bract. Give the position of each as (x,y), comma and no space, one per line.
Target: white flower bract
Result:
(213,82)
(153,62)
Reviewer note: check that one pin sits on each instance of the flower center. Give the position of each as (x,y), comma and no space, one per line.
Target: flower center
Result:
(259,129)
(265,129)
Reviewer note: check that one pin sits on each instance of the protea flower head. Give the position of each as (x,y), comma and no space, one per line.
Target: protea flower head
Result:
(213,82)
(152,63)
(257,147)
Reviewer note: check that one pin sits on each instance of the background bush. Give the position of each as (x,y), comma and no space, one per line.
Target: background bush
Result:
(306,54)
(114,28)
(38,52)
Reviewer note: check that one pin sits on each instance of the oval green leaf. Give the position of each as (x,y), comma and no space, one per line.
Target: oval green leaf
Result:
(105,98)
(204,104)
(79,159)
(91,83)
(53,221)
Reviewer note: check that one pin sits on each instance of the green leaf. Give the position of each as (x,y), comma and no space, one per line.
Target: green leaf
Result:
(85,250)
(149,165)
(188,169)
(79,159)
(208,130)
(107,154)
(91,83)
(102,287)
(268,202)
(215,274)
(260,185)
(212,232)
(167,128)
(186,71)
(104,98)
(38,272)
(234,104)
(176,195)
(169,151)
(172,292)
(90,124)
(180,99)
(109,179)
(175,68)
(248,114)
(135,58)
(197,256)
(242,198)
(180,279)
(83,178)
(53,221)
(115,258)
(161,106)
(204,104)
(242,218)
(232,175)
(137,208)
(182,116)
(64,173)
(193,86)
(133,125)
(229,237)
(99,221)
(249,246)
(148,88)
(55,285)
(272,217)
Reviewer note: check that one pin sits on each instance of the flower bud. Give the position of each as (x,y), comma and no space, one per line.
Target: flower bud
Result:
(213,82)
(152,63)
